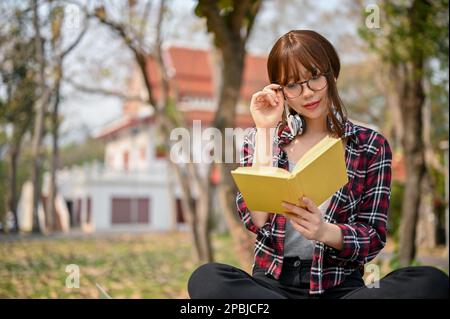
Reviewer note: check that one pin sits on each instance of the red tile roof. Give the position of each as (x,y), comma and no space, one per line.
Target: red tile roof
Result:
(254,77)
(121,124)
(242,120)
(193,73)
(192,76)
(206,117)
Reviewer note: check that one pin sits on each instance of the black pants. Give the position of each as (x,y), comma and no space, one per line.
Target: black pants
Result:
(220,281)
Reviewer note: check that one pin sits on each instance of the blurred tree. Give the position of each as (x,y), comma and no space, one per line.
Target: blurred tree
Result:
(132,27)
(59,53)
(40,109)
(413,36)
(78,153)
(49,57)
(362,95)
(17,75)
(231,23)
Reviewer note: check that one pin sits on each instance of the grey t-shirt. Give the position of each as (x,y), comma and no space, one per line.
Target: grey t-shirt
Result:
(295,245)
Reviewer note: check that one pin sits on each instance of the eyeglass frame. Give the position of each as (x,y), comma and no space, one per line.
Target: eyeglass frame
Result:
(281,87)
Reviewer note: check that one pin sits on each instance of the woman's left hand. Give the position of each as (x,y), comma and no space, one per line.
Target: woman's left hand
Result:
(307,222)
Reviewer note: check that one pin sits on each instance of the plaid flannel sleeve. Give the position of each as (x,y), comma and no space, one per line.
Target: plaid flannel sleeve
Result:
(364,238)
(246,159)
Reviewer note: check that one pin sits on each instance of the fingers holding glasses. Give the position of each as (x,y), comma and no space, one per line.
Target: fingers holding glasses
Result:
(266,106)
(275,92)
(268,94)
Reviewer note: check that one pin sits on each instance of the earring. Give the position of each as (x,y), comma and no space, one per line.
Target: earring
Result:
(296,122)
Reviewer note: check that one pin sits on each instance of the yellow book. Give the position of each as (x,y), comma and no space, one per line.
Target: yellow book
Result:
(317,175)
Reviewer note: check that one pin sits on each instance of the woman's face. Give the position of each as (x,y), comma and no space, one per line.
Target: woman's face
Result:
(311,104)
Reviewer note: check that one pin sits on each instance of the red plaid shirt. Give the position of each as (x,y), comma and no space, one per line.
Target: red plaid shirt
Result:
(359,208)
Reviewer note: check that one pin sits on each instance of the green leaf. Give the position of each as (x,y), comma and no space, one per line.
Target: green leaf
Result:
(225,4)
(199,10)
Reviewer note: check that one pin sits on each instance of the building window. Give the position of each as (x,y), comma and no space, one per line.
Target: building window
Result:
(160,151)
(128,210)
(134,131)
(179,207)
(77,219)
(89,211)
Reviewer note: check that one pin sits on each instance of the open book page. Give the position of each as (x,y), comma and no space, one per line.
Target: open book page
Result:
(263,193)
(264,171)
(314,152)
(323,176)
(318,175)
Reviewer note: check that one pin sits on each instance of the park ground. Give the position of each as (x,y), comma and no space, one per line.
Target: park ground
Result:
(150,265)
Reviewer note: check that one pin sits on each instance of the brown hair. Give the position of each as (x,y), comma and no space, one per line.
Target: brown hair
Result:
(316,54)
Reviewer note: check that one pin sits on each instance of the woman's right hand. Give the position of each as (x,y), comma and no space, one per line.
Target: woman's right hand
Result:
(266,106)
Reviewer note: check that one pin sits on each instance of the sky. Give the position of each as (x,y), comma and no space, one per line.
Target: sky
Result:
(102,60)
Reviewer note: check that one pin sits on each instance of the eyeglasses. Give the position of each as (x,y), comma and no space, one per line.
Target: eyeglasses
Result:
(316,83)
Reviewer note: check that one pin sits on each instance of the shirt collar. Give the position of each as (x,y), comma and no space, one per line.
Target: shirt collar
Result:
(285,136)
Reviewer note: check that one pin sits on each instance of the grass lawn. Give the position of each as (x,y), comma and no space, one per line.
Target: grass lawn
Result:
(155,265)
(127,266)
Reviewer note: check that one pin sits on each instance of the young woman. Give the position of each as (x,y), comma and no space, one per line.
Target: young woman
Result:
(320,251)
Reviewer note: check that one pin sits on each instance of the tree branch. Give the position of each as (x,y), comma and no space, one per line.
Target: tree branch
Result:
(140,54)
(141,33)
(119,29)
(103,91)
(240,8)
(254,8)
(77,40)
(215,22)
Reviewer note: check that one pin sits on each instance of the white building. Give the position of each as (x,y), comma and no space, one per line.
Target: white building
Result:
(134,188)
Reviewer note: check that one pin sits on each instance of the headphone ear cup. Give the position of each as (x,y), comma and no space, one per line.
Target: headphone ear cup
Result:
(290,123)
(300,123)
(296,122)
(289,118)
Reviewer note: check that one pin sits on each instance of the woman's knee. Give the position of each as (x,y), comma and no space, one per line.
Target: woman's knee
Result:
(206,280)
(438,281)
(429,281)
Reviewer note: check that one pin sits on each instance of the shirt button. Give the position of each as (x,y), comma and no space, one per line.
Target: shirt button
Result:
(297,263)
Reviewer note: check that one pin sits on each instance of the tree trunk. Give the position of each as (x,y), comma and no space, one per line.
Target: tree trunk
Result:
(393,106)
(51,216)
(233,65)
(413,98)
(189,209)
(203,213)
(11,189)
(40,106)
(413,146)
(231,32)
(426,226)
(165,123)
(243,240)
